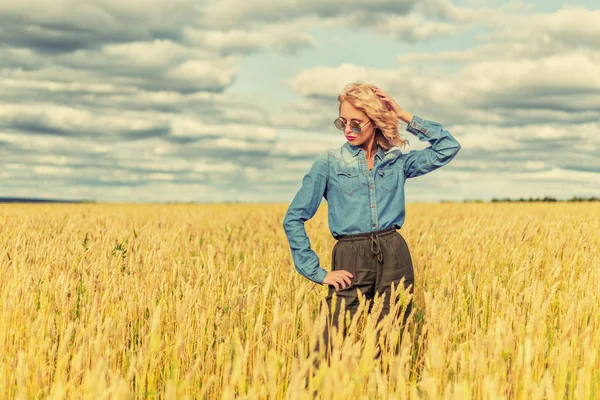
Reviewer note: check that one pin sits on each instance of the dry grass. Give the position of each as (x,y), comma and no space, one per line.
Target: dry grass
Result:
(202,301)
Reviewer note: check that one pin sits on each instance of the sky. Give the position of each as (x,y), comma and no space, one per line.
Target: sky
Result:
(231,100)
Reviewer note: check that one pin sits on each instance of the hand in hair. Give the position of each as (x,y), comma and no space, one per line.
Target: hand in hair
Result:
(393,105)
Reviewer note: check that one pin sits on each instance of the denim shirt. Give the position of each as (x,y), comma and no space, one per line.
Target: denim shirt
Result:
(360,200)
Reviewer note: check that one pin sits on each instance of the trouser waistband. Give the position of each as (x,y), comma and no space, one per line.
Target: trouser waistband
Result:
(373,236)
(367,235)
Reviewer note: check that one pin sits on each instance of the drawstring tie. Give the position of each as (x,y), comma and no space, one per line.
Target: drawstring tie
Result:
(378,253)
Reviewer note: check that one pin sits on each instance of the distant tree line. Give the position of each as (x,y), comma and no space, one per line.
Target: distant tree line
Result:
(33,200)
(545,199)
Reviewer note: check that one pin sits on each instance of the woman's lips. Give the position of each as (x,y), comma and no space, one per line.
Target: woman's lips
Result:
(350,137)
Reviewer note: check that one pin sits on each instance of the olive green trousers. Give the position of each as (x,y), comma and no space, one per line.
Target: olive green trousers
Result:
(377,260)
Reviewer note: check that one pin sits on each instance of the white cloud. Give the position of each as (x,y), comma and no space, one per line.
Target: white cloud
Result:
(51,170)
(278,37)
(196,128)
(414,28)
(230,13)
(328,81)
(72,121)
(528,37)
(196,72)
(563,175)
(497,92)
(66,25)
(575,27)
(534,165)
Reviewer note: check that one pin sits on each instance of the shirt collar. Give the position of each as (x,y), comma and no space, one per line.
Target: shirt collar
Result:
(355,149)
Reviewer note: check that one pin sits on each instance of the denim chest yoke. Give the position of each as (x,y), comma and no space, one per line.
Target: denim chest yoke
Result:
(356,184)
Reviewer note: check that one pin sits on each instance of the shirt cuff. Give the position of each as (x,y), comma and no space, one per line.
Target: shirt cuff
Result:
(320,275)
(417,126)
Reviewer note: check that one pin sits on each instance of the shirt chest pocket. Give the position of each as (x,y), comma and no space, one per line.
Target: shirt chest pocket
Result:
(348,180)
(387,179)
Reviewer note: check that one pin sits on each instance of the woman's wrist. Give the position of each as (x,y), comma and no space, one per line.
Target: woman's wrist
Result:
(406,116)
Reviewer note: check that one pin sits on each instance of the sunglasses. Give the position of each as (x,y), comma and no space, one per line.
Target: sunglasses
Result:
(355,126)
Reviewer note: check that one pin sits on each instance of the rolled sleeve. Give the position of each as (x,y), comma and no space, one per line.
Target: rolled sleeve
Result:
(443,149)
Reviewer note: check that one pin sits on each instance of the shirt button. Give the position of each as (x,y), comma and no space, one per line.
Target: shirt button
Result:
(374,224)
(372,205)
(370,186)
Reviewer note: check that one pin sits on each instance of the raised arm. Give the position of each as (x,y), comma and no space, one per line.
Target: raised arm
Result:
(302,208)
(443,145)
(443,148)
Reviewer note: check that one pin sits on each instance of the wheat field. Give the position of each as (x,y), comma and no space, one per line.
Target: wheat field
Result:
(116,301)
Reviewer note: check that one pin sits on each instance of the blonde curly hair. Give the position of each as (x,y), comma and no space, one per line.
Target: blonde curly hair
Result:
(362,97)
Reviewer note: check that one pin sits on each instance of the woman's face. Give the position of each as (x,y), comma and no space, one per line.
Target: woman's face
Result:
(349,113)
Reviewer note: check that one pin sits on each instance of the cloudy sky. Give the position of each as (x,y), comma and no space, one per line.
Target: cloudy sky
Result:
(231,100)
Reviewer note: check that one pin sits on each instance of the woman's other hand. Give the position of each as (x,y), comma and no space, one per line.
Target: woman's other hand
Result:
(339,279)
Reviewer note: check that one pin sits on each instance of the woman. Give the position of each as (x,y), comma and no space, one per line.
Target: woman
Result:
(363,183)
